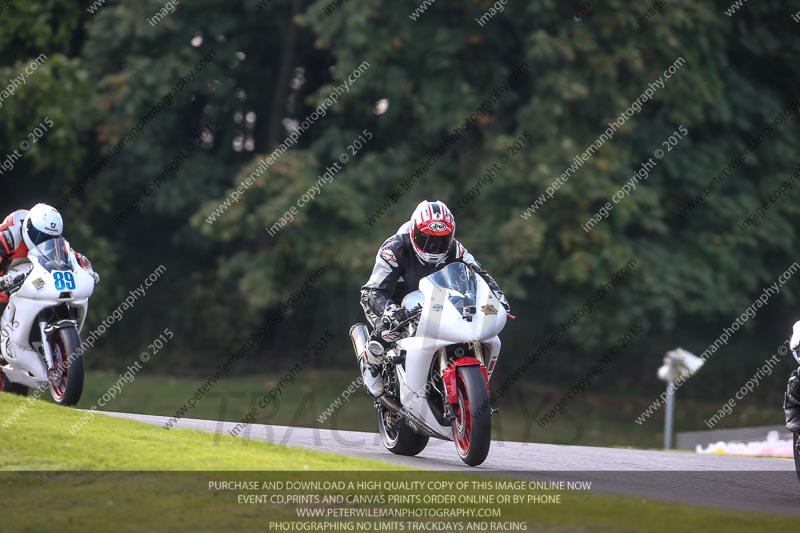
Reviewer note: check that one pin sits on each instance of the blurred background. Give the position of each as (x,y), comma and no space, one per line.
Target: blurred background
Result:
(241,76)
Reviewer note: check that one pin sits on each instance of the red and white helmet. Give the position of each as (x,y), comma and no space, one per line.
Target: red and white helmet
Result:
(432,230)
(42,223)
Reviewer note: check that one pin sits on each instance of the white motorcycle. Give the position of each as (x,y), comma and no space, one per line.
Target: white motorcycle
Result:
(40,325)
(437,376)
(789,405)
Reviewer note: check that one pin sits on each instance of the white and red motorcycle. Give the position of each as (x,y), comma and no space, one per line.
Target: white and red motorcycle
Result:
(46,310)
(437,376)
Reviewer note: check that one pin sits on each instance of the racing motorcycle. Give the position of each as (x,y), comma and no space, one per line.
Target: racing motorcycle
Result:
(40,326)
(436,376)
(791,405)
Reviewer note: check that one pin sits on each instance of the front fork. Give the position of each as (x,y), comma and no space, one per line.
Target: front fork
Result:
(46,331)
(448,373)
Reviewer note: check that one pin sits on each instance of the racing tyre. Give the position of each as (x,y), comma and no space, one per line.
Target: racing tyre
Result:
(399,438)
(796,454)
(472,427)
(66,379)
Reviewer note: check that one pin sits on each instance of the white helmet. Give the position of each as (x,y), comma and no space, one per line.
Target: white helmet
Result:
(42,224)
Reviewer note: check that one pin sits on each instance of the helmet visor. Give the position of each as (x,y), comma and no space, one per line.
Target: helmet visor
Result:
(38,237)
(431,244)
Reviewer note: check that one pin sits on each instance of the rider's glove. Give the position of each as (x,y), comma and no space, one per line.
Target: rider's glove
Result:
(503,301)
(393,315)
(85,264)
(11,281)
(83,261)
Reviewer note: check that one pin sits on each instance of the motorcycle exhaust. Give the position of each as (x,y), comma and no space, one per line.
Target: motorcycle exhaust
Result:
(392,405)
(359,334)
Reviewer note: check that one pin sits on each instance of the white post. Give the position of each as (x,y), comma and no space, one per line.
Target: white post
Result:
(677,363)
(670,414)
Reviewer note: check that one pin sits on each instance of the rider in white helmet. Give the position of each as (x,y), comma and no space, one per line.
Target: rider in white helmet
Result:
(25,229)
(420,247)
(791,400)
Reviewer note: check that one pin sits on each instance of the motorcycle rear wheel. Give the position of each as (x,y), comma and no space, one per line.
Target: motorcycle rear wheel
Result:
(399,438)
(796,453)
(66,382)
(13,388)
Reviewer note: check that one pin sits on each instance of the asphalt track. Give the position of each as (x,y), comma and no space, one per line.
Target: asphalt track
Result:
(741,483)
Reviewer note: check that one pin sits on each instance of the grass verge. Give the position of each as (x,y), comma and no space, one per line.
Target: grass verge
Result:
(130,496)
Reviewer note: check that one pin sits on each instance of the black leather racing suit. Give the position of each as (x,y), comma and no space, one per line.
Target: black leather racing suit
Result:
(791,403)
(398,271)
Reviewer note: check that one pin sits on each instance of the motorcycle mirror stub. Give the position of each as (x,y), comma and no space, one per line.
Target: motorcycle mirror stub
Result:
(469,312)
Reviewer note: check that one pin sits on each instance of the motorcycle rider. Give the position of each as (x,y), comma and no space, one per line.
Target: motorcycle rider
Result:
(420,247)
(24,229)
(791,400)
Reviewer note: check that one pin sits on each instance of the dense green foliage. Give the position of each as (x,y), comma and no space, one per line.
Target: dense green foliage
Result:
(272,67)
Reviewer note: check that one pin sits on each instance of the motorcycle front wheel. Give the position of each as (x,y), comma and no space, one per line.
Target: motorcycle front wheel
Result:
(66,378)
(472,426)
(796,454)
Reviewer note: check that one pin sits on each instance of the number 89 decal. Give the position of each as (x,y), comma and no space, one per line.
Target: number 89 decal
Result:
(64,280)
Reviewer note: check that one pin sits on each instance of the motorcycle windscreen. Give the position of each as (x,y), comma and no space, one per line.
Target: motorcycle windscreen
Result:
(462,284)
(54,254)
(459,307)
